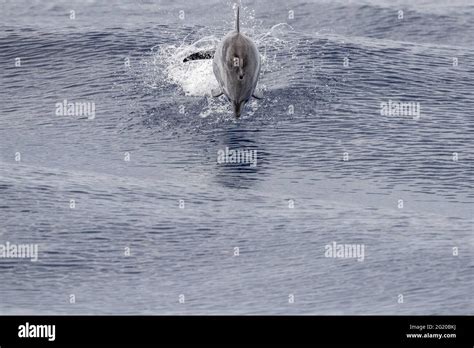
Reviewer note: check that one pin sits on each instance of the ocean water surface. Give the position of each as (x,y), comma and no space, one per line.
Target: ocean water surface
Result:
(130,207)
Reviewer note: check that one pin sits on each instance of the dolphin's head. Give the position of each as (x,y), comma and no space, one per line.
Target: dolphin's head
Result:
(238,106)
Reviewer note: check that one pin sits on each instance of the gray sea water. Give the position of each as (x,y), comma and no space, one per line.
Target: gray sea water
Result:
(142,176)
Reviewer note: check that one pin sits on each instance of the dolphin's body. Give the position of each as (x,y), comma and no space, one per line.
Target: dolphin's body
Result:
(236,66)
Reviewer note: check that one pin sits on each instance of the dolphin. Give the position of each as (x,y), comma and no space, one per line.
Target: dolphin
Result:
(236,66)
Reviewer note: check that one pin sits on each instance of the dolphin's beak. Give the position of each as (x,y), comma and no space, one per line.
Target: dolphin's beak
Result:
(238,108)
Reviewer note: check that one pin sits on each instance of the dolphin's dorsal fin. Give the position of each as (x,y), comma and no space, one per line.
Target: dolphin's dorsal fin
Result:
(237,26)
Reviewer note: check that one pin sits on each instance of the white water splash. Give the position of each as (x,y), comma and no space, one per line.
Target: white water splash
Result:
(196,77)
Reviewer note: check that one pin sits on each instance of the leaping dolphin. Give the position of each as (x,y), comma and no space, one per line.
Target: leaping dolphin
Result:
(236,65)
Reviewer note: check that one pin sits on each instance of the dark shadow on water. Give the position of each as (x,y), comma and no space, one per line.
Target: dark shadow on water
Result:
(250,170)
